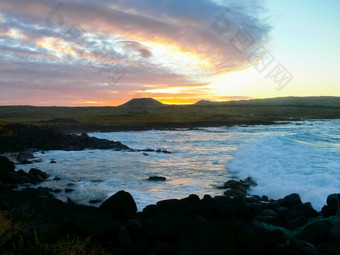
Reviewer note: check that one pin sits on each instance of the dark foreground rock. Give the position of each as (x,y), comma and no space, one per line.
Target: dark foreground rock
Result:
(121,206)
(220,225)
(32,221)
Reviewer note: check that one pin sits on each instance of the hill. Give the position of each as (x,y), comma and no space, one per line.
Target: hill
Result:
(205,102)
(142,103)
(321,101)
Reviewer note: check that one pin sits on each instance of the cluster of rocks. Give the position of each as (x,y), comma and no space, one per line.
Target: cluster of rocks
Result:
(32,137)
(28,139)
(153,150)
(8,174)
(230,224)
(238,188)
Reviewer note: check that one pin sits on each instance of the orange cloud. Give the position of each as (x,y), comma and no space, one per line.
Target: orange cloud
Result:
(171,54)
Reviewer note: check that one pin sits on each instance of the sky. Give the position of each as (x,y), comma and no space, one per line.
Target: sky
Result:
(104,53)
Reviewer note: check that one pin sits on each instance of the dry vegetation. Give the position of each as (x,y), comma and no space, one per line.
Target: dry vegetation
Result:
(201,114)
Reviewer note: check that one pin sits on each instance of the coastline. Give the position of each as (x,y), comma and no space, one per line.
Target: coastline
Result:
(231,224)
(235,223)
(158,126)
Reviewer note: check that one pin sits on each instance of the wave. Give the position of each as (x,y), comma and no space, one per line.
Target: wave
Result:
(305,161)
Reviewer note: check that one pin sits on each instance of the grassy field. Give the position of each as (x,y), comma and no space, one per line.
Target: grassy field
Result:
(147,116)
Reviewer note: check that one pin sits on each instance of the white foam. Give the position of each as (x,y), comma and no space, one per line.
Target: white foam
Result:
(282,158)
(304,162)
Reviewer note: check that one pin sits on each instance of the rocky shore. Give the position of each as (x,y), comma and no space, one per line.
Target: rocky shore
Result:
(33,221)
(23,140)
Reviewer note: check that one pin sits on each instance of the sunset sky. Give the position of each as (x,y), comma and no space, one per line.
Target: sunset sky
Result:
(106,52)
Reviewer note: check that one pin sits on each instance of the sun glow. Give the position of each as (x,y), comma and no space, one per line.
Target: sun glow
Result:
(56,45)
(237,83)
(178,58)
(171,90)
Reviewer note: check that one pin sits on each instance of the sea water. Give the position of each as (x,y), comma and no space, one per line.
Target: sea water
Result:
(301,157)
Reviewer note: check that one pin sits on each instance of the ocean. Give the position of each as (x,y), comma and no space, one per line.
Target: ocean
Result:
(299,157)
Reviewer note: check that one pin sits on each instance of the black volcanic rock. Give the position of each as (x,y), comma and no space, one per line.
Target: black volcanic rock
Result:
(334,233)
(153,150)
(212,225)
(121,205)
(10,176)
(333,206)
(35,138)
(316,232)
(238,188)
(25,157)
(156,178)
(291,200)
(6,165)
(220,225)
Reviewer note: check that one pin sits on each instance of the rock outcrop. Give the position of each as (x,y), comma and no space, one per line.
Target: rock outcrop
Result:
(230,224)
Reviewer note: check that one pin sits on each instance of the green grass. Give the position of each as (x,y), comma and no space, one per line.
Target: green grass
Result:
(225,112)
(7,229)
(64,246)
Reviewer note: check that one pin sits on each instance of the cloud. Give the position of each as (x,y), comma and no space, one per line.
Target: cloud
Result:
(164,42)
(136,46)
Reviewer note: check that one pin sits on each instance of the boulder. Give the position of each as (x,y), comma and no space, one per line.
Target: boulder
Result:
(25,157)
(121,205)
(305,210)
(333,205)
(291,200)
(282,211)
(227,207)
(251,182)
(92,221)
(316,232)
(334,234)
(238,188)
(39,174)
(6,165)
(254,239)
(304,247)
(268,212)
(270,217)
(157,178)
(297,222)
(8,175)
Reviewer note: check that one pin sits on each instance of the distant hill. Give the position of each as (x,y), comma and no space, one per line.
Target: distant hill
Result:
(278,101)
(204,102)
(321,101)
(142,103)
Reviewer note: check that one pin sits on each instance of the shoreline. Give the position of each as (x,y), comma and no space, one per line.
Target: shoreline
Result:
(234,223)
(158,126)
(80,142)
